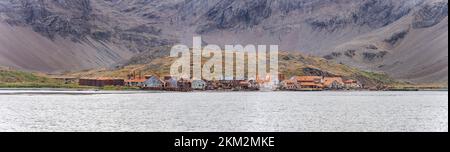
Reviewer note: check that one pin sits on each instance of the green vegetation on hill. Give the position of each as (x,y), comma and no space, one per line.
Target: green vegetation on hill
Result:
(10,76)
(18,79)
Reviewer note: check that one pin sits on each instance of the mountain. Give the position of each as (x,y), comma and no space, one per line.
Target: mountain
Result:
(406,39)
(66,35)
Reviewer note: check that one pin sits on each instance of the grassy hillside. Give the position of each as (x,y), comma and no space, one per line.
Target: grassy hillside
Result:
(10,78)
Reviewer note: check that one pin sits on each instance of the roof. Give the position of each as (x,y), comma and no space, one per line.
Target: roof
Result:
(267,78)
(329,80)
(136,80)
(101,79)
(148,76)
(244,83)
(171,81)
(288,82)
(168,77)
(311,84)
(198,81)
(350,81)
(63,77)
(307,78)
(155,78)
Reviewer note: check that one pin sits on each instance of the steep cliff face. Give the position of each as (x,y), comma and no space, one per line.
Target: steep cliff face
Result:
(377,35)
(413,48)
(373,35)
(75,35)
(248,13)
(72,18)
(235,13)
(308,25)
(430,14)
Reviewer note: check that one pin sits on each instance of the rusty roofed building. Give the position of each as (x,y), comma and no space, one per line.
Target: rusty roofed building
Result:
(184,85)
(135,82)
(101,82)
(212,85)
(333,83)
(290,85)
(309,82)
(251,85)
(229,84)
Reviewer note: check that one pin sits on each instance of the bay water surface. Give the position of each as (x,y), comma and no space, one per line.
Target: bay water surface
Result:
(25,110)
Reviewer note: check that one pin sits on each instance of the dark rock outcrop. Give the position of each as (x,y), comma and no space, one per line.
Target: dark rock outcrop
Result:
(371,56)
(238,13)
(376,13)
(396,37)
(430,14)
(73,22)
(317,72)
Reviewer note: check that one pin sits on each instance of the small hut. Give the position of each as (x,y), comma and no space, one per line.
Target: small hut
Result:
(198,85)
(289,85)
(212,85)
(333,83)
(170,83)
(251,85)
(135,82)
(229,84)
(154,83)
(184,85)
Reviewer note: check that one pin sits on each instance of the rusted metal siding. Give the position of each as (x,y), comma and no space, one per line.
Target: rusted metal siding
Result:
(101,82)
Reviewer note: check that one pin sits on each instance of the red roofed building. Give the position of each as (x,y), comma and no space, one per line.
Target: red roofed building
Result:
(309,81)
(334,83)
(289,85)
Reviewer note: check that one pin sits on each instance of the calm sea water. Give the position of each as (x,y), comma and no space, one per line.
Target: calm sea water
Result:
(223,111)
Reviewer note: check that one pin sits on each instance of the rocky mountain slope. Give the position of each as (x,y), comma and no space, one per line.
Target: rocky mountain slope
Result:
(65,35)
(407,39)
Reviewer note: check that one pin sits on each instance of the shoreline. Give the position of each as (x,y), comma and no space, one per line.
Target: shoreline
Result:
(70,91)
